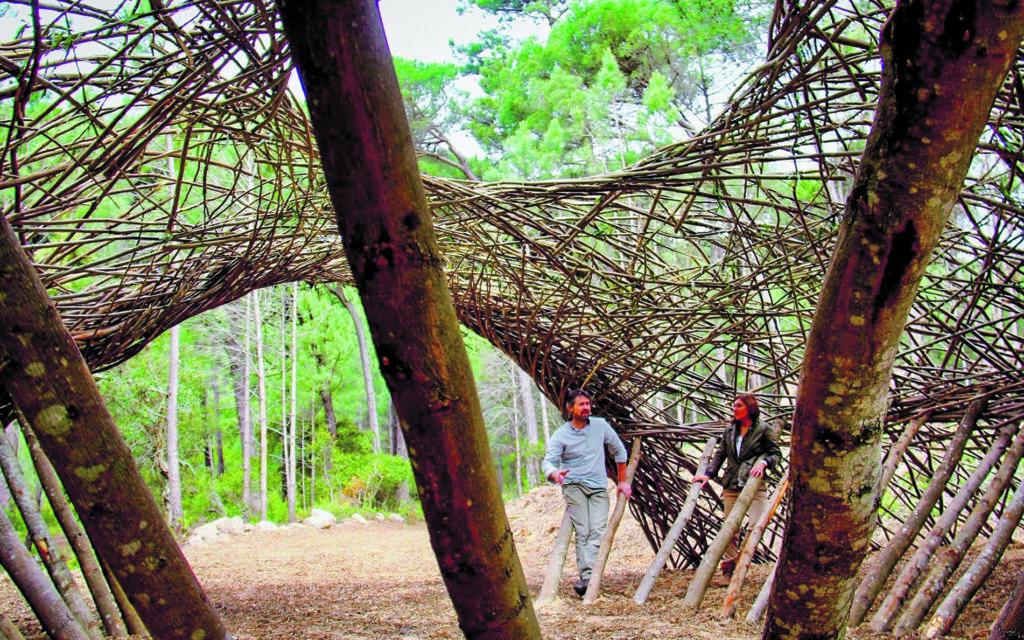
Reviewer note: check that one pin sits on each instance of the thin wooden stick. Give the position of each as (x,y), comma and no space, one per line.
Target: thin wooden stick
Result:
(739,574)
(682,519)
(761,603)
(605,550)
(553,574)
(702,577)
(958,597)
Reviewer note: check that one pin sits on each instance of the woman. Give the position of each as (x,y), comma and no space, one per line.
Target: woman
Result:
(748,449)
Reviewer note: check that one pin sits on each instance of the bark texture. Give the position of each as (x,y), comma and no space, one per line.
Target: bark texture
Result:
(50,384)
(1010,624)
(943,64)
(383,217)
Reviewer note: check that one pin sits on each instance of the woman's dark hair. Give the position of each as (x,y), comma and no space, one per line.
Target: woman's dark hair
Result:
(570,398)
(753,409)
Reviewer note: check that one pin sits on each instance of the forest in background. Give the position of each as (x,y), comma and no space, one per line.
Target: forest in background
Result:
(609,84)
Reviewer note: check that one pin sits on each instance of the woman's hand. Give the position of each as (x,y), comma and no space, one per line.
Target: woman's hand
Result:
(757,470)
(701,479)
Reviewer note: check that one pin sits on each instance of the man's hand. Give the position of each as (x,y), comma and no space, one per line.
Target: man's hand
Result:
(625,489)
(559,476)
(757,470)
(701,479)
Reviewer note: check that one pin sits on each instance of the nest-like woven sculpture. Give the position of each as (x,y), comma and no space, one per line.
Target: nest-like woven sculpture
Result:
(155,166)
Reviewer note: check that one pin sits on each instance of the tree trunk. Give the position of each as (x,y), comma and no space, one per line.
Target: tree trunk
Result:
(364,360)
(923,554)
(682,519)
(936,93)
(972,579)
(53,613)
(384,220)
(50,384)
(175,511)
(1010,624)
(293,417)
(239,354)
(261,391)
(530,421)
(874,578)
(38,532)
(75,535)
(947,560)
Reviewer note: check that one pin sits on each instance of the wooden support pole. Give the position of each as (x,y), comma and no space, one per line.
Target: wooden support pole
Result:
(553,574)
(739,574)
(944,564)
(702,577)
(972,579)
(913,568)
(895,455)
(605,550)
(761,603)
(678,525)
(873,578)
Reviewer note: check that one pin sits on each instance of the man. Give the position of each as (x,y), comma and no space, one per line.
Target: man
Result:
(575,459)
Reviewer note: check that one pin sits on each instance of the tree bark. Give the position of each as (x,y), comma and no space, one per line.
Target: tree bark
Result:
(553,573)
(384,220)
(530,421)
(746,555)
(943,63)
(293,417)
(730,527)
(874,578)
(261,392)
(239,356)
(50,384)
(101,592)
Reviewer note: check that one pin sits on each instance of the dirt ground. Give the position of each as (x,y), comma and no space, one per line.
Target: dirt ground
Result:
(380,580)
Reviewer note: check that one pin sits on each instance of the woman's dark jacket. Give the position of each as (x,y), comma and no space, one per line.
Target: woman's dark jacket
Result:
(758,444)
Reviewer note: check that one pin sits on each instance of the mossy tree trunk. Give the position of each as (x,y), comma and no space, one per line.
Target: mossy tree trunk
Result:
(49,382)
(373,179)
(944,62)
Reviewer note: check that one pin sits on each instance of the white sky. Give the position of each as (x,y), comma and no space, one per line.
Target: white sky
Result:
(421,29)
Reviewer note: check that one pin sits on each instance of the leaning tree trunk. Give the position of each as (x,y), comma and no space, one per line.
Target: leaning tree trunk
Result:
(77,539)
(384,220)
(50,384)
(874,578)
(913,568)
(57,620)
(944,62)
(39,533)
(946,562)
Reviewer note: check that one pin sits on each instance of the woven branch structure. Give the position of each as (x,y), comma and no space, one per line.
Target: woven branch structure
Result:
(155,166)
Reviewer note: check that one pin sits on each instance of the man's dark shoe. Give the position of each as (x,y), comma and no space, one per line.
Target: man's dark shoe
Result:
(581,587)
(728,566)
